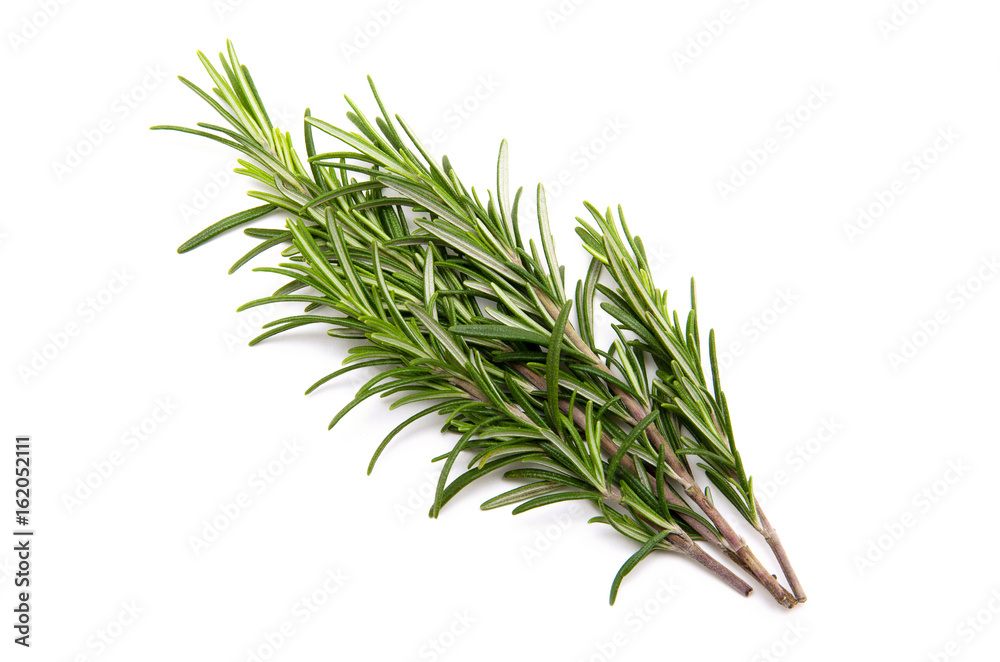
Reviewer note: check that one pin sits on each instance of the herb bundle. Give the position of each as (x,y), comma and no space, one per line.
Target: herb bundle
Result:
(384,245)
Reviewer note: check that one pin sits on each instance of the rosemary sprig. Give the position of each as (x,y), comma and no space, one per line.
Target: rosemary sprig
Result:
(680,385)
(517,381)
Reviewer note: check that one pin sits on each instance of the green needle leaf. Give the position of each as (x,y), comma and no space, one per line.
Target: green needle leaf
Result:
(552,359)
(519,494)
(555,273)
(559,497)
(228,223)
(633,561)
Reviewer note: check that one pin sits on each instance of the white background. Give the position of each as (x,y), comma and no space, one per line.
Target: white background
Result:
(894,546)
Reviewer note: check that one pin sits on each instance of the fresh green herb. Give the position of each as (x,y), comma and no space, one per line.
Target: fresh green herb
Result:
(385,245)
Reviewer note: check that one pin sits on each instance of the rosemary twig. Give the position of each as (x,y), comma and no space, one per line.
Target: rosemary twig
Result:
(682,386)
(697,525)
(520,384)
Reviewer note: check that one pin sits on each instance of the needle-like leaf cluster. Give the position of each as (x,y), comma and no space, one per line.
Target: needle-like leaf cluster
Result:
(463,317)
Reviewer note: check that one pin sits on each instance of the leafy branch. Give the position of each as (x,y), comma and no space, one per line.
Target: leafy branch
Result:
(384,245)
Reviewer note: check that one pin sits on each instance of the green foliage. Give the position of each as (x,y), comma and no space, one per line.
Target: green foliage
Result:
(384,245)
